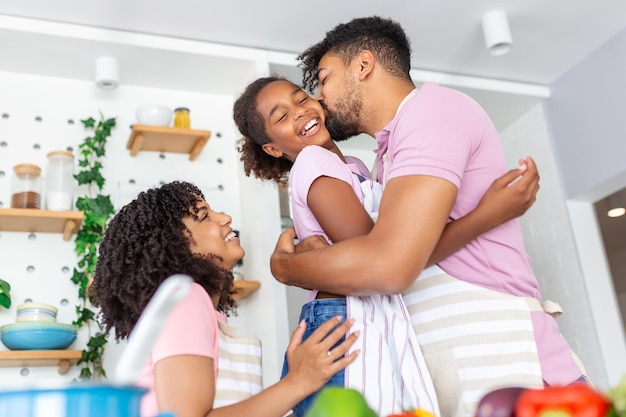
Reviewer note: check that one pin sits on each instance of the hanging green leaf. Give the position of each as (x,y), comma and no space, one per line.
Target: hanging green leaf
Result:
(97,210)
(5,294)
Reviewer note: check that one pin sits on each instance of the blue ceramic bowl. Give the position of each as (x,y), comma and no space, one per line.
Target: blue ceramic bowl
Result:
(33,335)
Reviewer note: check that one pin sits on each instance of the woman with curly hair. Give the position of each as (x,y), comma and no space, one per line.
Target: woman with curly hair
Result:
(285,140)
(173,230)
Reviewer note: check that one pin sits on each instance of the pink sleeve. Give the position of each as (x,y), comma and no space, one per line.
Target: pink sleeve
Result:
(314,162)
(190,329)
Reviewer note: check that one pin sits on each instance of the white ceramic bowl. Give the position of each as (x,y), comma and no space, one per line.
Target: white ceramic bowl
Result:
(154,114)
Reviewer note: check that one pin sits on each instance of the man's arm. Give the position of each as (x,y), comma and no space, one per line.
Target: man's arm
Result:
(413,212)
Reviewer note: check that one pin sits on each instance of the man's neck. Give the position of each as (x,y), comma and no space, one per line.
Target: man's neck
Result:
(382,102)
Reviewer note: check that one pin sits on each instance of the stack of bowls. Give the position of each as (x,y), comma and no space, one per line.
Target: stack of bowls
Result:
(36,328)
(36,312)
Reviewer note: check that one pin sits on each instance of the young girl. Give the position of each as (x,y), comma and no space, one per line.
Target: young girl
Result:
(170,230)
(285,139)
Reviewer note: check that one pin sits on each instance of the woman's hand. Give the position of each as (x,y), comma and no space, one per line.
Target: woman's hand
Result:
(313,362)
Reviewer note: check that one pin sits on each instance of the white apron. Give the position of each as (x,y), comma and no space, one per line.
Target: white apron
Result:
(239,371)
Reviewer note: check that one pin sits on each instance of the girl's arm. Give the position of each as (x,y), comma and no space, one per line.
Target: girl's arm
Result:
(342,216)
(185,384)
(502,202)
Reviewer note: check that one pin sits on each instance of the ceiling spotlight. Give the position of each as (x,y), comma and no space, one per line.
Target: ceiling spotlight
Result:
(107,72)
(615,206)
(497,33)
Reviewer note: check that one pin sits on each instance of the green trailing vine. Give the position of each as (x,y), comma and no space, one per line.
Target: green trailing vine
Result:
(97,209)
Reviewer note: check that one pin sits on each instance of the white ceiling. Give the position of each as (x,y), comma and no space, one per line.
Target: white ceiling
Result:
(550,36)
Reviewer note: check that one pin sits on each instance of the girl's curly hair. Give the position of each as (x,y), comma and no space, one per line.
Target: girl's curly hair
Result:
(384,37)
(145,243)
(250,123)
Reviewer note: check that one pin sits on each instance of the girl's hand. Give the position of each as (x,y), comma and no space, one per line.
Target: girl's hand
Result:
(313,362)
(511,195)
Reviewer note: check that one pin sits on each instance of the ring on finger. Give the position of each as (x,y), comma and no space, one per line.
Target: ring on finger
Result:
(330,355)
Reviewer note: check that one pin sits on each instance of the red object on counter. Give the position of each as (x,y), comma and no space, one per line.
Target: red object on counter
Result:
(577,400)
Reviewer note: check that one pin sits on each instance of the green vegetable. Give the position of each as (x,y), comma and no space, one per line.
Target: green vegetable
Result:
(617,395)
(340,402)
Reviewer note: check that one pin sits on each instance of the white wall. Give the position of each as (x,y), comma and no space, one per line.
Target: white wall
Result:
(550,241)
(56,101)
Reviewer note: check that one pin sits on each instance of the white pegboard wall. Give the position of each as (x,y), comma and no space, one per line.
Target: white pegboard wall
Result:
(42,114)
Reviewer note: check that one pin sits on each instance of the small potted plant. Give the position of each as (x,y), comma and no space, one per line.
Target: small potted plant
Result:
(5,294)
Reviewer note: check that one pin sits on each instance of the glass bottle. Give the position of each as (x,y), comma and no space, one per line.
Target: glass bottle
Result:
(59,183)
(26,186)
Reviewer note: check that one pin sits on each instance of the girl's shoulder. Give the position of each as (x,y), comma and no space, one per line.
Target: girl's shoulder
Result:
(313,162)
(316,157)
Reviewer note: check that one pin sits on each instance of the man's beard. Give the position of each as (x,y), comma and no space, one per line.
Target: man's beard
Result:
(343,123)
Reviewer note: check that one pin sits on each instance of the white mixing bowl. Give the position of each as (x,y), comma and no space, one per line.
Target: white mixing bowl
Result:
(154,114)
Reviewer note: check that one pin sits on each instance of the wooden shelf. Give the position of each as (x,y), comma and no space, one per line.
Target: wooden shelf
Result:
(61,358)
(245,288)
(167,139)
(40,221)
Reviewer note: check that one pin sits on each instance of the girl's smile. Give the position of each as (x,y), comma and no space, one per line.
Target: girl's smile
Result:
(292,119)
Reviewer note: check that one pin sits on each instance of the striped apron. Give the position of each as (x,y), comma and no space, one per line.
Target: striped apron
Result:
(239,372)
(390,372)
(474,340)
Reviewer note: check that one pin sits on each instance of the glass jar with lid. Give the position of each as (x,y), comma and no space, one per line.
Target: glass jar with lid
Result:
(181,117)
(59,182)
(26,186)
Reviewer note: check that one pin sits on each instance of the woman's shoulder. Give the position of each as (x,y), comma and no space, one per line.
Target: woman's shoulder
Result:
(198,298)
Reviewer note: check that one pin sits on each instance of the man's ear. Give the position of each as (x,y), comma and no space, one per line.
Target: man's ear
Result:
(272,150)
(366,61)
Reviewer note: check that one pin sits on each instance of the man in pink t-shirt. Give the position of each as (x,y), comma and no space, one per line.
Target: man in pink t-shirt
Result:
(480,323)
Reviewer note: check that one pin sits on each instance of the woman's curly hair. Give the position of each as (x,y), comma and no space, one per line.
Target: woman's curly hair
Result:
(145,243)
(250,123)
(384,37)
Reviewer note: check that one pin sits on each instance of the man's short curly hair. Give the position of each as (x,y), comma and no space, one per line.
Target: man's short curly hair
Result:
(145,243)
(250,123)
(383,37)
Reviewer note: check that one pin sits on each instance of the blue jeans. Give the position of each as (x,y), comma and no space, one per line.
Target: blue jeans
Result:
(315,313)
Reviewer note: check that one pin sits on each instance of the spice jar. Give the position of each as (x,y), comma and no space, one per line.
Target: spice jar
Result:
(181,117)
(59,183)
(26,186)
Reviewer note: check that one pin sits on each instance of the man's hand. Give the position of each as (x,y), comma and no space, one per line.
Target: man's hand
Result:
(312,243)
(285,243)
(286,248)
